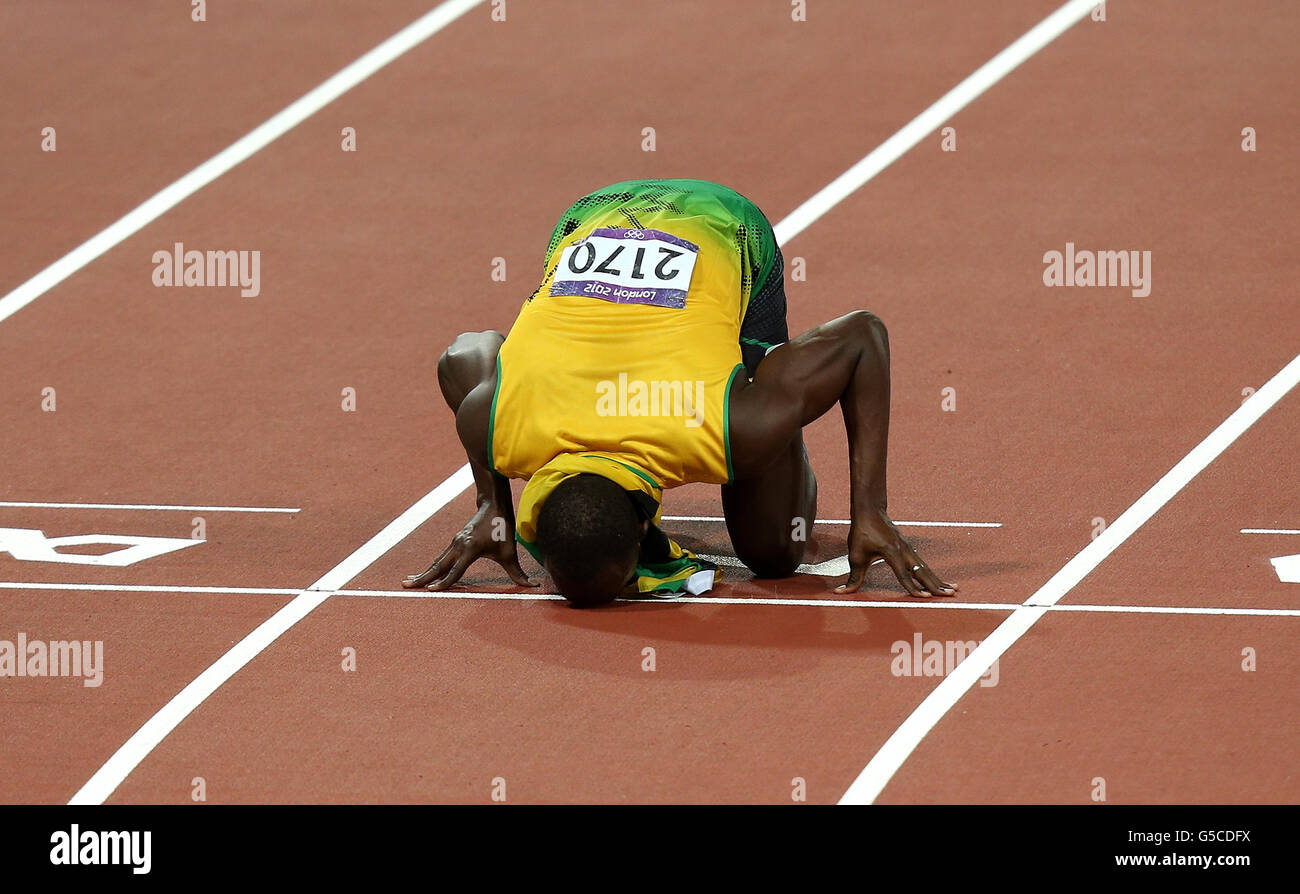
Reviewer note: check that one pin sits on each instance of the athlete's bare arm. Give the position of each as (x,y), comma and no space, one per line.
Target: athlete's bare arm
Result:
(467,375)
(845,361)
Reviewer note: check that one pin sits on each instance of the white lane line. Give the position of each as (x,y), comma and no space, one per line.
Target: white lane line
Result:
(845,521)
(108,777)
(146,588)
(932,118)
(454,594)
(876,775)
(11,504)
(700,600)
(1269,531)
(1180,610)
(258,138)
(472,595)
(930,603)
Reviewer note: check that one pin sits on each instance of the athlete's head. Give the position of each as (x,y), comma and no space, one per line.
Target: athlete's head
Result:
(589,535)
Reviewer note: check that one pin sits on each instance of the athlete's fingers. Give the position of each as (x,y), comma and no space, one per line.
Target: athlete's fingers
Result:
(462,562)
(851,585)
(410,579)
(419,580)
(925,574)
(441,556)
(517,574)
(434,571)
(440,567)
(428,574)
(854,583)
(861,575)
(904,573)
(933,582)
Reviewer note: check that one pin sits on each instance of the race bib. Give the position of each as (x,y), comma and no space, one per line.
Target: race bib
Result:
(628,267)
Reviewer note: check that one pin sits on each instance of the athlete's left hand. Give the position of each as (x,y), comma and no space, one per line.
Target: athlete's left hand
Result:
(488,534)
(875,538)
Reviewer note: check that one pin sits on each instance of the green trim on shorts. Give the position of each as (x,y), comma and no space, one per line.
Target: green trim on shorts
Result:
(492,416)
(633,469)
(726,422)
(532,548)
(754,341)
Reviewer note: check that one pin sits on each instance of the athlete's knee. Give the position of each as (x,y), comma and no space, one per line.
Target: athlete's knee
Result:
(779,561)
(778,555)
(868,332)
(868,325)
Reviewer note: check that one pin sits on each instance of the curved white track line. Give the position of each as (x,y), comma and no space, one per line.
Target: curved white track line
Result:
(258,138)
(932,118)
(876,775)
(108,777)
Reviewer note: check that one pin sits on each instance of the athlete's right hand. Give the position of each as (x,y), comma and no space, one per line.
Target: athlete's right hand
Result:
(489,533)
(876,537)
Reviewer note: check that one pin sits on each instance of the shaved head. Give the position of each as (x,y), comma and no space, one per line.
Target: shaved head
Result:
(589,537)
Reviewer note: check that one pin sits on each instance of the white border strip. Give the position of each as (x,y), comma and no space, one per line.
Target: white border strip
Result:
(876,775)
(845,521)
(108,777)
(10,504)
(274,127)
(1269,531)
(932,118)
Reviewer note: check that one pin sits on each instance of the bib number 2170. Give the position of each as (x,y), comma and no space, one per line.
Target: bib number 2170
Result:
(627,267)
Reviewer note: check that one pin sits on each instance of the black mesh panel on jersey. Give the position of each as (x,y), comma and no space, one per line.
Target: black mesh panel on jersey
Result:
(764,325)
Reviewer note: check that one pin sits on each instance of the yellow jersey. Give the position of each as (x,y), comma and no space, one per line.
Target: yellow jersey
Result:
(628,348)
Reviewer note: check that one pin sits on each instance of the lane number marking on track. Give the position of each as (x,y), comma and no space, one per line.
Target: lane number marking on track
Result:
(1287,568)
(31,545)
